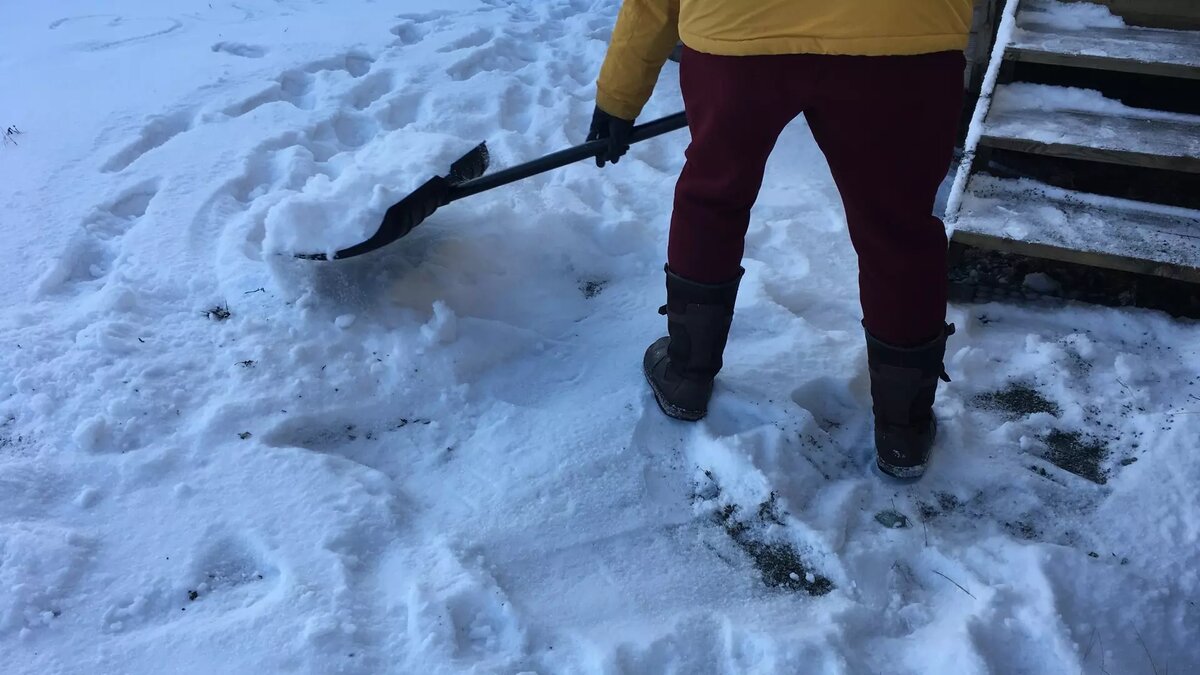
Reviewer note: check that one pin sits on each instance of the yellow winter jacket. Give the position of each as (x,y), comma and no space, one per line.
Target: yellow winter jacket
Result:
(647,31)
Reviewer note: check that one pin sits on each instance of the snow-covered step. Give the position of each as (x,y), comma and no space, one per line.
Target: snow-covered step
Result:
(1176,14)
(1082,124)
(1034,220)
(1147,51)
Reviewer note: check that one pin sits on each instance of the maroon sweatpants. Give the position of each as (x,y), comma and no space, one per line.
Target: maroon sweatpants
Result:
(887,126)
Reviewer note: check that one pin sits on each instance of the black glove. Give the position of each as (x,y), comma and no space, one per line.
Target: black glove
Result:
(616,130)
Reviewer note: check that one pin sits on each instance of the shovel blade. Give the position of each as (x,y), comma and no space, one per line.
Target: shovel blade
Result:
(403,216)
(470,166)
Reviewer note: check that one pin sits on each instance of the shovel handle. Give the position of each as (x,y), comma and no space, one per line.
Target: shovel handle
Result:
(562,158)
(409,212)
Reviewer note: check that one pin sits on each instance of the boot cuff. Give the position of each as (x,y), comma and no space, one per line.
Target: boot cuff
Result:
(926,357)
(689,292)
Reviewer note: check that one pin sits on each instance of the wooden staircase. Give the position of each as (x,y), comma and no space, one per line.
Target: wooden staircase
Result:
(1081,177)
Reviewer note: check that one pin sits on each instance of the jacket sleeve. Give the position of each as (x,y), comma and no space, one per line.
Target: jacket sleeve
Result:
(645,34)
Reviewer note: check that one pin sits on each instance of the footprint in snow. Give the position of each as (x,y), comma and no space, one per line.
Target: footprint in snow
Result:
(297,86)
(41,569)
(225,574)
(293,87)
(464,613)
(476,38)
(154,134)
(90,255)
(368,438)
(505,53)
(240,49)
(401,110)
(371,89)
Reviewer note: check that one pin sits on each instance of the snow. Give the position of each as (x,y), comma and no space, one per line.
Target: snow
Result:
(1068,16)
(1026,97)
(206,466)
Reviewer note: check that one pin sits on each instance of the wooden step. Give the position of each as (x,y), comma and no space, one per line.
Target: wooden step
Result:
(1024,118)
(1030,219)
(1146,51)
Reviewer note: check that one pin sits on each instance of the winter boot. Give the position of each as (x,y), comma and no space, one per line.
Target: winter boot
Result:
(904,382)
(680,368)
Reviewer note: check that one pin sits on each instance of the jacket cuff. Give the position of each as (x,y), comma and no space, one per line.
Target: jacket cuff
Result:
(615,107)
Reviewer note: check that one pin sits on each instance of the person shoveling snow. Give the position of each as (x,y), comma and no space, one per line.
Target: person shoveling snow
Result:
(880,85)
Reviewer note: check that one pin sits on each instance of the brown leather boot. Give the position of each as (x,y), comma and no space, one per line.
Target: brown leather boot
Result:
(904,384)
(681,367)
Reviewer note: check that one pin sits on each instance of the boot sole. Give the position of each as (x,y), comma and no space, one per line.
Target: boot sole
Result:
(670,410)
(901,472)
(908,472)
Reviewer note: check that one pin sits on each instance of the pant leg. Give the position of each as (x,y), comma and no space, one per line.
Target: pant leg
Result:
(736,108)
(887,126)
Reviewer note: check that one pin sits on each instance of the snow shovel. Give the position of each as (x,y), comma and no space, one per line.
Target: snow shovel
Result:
(466,178)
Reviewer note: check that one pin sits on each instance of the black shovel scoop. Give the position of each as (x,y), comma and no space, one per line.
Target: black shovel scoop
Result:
(466,178)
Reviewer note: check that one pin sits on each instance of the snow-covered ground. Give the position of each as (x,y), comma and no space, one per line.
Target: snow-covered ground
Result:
(442,458)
